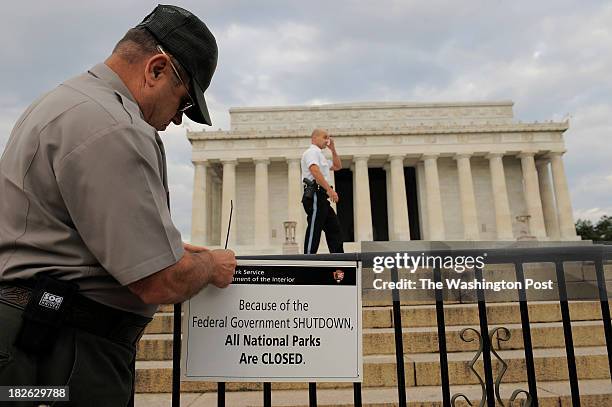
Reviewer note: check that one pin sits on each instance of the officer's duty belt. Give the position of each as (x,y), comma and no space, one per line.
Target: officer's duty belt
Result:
(86,314)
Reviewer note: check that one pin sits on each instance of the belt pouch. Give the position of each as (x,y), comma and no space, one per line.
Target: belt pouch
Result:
(45,314)
(309,188)
(309,192)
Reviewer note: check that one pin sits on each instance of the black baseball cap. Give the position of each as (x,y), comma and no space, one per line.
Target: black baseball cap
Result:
(187,38)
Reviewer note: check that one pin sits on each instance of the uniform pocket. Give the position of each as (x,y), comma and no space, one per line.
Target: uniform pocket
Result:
(102,374)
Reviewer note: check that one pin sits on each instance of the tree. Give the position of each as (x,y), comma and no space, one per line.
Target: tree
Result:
(604,228)
(601,231)
(585,229)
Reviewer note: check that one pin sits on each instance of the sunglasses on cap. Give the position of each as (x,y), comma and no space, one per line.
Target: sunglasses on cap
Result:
(186,103)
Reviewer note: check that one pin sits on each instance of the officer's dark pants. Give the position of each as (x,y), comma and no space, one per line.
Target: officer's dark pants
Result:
(321,217)
(97,371)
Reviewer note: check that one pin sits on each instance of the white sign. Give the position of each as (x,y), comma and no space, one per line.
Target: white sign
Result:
(278,321)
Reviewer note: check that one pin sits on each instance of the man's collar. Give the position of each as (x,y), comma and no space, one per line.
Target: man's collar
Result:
(315,146)
(109,76)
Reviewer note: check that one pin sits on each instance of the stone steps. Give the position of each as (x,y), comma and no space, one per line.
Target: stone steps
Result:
(421,360)
(593,393)
(421,369)
(454,314)
(425,339)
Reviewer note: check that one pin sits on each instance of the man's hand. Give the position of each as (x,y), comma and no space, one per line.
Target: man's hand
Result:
(336,163)
(224,263)
(184,279)
(224,267)
(333,195)
(331,145)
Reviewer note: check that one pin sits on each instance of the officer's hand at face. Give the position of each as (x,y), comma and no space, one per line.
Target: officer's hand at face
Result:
(224,267)
(331,144)
(333,195)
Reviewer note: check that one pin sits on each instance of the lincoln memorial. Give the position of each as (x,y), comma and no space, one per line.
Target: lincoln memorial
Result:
(411,171)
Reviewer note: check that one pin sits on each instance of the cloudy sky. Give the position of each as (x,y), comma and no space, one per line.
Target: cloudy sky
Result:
(552,58)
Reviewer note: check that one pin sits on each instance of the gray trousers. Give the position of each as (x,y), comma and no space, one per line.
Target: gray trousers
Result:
(97,371)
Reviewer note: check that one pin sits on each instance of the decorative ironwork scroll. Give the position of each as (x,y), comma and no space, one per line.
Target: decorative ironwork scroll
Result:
(504,335)
(463,337)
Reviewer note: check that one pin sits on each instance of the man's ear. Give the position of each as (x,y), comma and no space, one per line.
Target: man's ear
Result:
(155,68)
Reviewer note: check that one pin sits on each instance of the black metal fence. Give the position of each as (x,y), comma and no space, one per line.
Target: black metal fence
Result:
(596,254)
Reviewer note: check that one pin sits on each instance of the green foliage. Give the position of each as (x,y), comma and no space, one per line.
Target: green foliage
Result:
(601,231)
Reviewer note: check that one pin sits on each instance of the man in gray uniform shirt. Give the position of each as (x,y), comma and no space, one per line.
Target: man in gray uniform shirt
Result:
(87,246)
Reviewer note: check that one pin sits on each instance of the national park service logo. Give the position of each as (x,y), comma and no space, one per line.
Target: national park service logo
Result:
(339,275)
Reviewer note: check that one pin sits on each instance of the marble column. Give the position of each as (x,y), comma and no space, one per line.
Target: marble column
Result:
(261,215)
(214,224)
(503,219)
(228,194)
(209,206)
(295,210)
(562,195)
(361,194)
(532,195)
(389,188)
(434,200)
(548,200)
(199,207)
(468,199)
(399,206)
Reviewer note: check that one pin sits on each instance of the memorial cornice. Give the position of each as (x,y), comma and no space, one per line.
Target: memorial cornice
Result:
(405,131)
(371,106)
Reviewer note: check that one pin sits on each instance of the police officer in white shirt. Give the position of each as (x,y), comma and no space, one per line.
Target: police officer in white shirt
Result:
(317,191)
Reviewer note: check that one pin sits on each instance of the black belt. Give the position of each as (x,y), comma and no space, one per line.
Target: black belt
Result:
(86,314)
(313,186)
